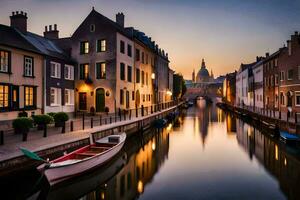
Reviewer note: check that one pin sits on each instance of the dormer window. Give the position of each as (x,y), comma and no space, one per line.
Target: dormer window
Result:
(92,27)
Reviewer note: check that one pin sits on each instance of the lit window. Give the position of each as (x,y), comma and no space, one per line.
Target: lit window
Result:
(55,70)
(84,71)
(4,61)
(101,70)
(69,72)
(84,47)
(101,45)
(4,96)
(29,96)
(28,66)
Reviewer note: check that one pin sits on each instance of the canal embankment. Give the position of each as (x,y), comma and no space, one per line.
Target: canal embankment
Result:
(12,160)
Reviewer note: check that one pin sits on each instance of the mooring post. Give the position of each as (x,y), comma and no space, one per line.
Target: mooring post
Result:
(92,122)
(63,130)
(1,137)
(45,131)
(136,111)
(151,109)
(279,114)
(124,113)
(142,110)
(130,114)
(100,120)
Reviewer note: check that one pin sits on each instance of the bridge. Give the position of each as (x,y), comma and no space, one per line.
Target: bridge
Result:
(207,90)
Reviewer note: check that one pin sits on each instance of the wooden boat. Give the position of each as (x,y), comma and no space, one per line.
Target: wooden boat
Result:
(83,159)
(289,138)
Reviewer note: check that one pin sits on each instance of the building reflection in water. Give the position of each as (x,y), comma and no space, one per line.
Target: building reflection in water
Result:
(141,166)
(206,114)
(278,159)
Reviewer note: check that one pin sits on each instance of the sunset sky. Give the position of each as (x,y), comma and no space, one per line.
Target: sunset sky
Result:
(225,33)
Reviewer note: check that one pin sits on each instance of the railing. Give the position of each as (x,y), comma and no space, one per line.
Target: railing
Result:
(84,121)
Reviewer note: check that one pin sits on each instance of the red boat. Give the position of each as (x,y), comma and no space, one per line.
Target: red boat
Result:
(83,159)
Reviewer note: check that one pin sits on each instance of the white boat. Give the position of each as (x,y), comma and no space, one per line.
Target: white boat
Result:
(83,159)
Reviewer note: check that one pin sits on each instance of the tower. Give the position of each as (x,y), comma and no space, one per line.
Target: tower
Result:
(193,76)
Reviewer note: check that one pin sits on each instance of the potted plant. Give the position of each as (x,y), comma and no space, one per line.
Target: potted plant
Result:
(22,126)
(52,114)
(60,119)
(42,120)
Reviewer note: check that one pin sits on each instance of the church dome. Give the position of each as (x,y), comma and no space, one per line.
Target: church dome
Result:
(203,74)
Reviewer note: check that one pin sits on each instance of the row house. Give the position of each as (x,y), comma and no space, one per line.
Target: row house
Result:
(117,65)
(258,86)
(271,82)
(229,88)
(36,75)
(289,72)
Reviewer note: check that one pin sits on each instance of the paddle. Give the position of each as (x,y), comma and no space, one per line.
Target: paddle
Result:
(32,155)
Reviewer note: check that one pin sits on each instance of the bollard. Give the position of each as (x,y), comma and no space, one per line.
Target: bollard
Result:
(72,126)
(82,121)
(1,137)
(151,109)
(63,129)
(92,122)
(124,113)
(130,114)
(100,120)
(142,110)
(136,111)
(45,131)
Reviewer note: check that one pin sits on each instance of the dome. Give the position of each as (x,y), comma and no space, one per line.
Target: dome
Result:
(203,73)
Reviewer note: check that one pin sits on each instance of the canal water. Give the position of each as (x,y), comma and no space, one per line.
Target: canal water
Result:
(205,154)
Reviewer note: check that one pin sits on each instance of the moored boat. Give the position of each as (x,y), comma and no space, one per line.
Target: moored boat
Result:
(289,138)
(83,159)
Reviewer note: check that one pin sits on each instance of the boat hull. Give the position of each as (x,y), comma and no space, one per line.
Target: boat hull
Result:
(58,174)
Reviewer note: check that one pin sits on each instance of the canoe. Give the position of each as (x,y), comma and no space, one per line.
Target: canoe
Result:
(83,159)
(289,138)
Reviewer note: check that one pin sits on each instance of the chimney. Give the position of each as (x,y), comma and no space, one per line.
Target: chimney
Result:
(18,20)
(51,34)
(120,18)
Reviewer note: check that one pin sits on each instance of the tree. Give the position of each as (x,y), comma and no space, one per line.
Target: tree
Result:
(179,87)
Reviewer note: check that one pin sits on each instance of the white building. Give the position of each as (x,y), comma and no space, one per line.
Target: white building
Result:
(258,86)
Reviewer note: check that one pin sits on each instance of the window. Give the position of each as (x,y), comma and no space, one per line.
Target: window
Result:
(55,70)
(143,78)
(290,74)
(147,58)
(101,45)
(271,81)
(138,76)
(282,76)
(84,71)
(121,97)
(4,97)
(276,79)
(4,61)
(55,96)
(129,50)
(297,98)
(101,70)
(92,27)
(28,66)
(143,57)
(30,96)
(281,98)
(84,47)
(137,54)
(122,71)
(276,62)
(132,96)
(129,73)
(69,72)
(122,46)
(69,97)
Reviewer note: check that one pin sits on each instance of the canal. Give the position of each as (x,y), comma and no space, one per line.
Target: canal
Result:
(205,154)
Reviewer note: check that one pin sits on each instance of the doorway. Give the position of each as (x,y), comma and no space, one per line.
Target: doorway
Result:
(100,100)
(82,100)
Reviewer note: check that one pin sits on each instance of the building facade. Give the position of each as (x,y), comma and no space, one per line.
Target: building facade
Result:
(258,86)
(229,88)
(289,73)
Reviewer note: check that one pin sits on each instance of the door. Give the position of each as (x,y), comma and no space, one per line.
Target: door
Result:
(82,100)
(127,99)
(100,100)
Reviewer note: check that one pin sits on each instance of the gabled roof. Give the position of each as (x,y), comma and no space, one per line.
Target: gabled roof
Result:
(11,37)
(274,54)
(115,25)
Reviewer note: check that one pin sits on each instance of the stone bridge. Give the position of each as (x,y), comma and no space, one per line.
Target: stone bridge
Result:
(206,90)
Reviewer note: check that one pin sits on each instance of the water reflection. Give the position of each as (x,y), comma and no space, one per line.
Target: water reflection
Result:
(204,154)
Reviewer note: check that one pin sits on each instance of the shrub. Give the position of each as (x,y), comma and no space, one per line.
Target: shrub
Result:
(52,114)
(42,119)
(22,125)
(61,117)
(23,114)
